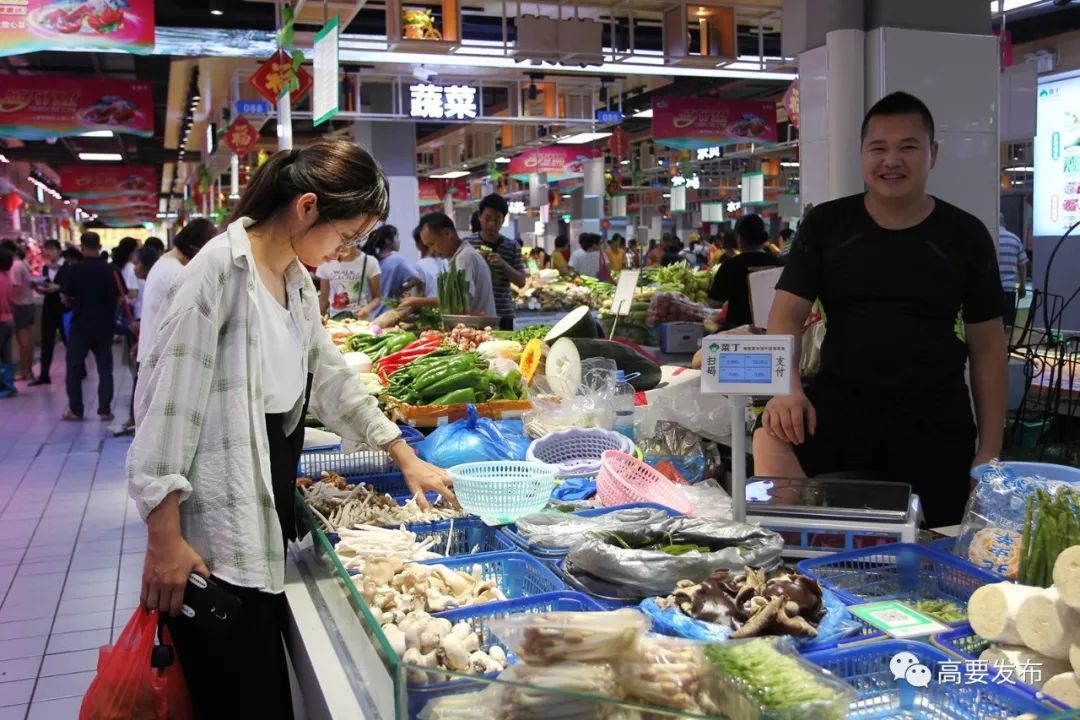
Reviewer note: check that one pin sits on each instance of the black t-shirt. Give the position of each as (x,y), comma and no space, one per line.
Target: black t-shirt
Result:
(730,284)
(895,300)
(92,291)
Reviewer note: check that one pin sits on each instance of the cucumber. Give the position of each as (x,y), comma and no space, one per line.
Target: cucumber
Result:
(576,323)
(564,363)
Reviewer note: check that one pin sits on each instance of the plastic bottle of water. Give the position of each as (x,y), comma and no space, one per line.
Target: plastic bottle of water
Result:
(623,405)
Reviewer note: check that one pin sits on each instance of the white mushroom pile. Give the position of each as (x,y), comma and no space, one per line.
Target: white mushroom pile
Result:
(393,588)
(367,543)
(430,642)
(338,504)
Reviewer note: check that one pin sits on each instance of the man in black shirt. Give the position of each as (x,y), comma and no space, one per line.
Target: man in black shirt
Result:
(910,290)
(731,283)
(91,289)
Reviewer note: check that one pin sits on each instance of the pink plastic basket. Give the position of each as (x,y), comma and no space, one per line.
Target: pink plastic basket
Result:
(624,479)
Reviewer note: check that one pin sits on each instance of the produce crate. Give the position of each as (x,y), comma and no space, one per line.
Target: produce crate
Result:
(468,533)
(515,573)
(961,641)
(478,617)
(314,461)
(881,695)
(548,553)
(431,416)
(897,572)
(608,603)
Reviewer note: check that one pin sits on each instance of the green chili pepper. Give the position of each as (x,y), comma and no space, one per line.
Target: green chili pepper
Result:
(456,397)
(472,379)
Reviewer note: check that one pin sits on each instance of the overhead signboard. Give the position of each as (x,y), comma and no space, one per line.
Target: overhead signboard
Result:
(33,25)
(692,122)
(443,102)
(324,98)
(34,107)
(81,181)
(556,161)
(1056,200)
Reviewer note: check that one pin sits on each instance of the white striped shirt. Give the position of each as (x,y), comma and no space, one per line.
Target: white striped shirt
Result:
(1010,255)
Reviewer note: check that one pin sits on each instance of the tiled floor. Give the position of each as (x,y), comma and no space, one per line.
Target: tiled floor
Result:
(71,547)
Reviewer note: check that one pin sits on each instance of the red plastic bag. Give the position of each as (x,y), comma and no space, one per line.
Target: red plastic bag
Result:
(127,687)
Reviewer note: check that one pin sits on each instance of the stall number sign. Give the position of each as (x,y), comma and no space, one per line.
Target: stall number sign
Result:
(746,364)
(450,102)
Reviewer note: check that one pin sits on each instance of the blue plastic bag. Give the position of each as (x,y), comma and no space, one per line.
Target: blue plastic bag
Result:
(574,489)
(473,439)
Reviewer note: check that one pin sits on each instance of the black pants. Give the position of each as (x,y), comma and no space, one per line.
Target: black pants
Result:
(246,674)
(506,323)
(927,442)
(1010,309)
(79,345)
(51,324)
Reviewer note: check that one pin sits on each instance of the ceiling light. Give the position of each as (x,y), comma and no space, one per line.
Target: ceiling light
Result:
(789,164)
(643,113)
(582,138)
(502,160)
(97,133)
(101,157)
(1020,169)
(3,158)
(1010,5)
(67,202)
(451,175)
(567,196)
(667,195)
(624,162)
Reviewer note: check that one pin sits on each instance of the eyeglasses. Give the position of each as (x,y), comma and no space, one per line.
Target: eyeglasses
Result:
(347,242)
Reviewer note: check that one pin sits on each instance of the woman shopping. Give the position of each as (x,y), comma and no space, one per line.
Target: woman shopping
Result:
(239,354)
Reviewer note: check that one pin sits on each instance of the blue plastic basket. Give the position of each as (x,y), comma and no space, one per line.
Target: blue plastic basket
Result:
(315,461)
(902,571)
(945,544)
(607,603)
(478,617)
(881,695)
(576,451)
(546,553)
(515,573)
(961,641)
(1064,473)
(468,533)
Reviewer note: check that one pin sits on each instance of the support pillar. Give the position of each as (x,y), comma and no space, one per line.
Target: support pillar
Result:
(394,146)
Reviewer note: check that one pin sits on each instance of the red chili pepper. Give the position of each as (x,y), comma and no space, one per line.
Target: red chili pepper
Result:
(410,352)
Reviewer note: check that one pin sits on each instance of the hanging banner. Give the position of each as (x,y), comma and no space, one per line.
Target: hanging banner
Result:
(273,76)
(690,123)
(324,99)
(36,107)
(429,192)
(557,161)
(84,181)
(117,203)
(791,103)
(241,135)
(433,192)
(117,25)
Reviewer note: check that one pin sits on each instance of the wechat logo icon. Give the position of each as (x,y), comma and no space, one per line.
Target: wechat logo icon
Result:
(906,666)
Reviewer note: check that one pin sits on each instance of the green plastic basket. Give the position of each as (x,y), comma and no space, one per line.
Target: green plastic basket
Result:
(501,491)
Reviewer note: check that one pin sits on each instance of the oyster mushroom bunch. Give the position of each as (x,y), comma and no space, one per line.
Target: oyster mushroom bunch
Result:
(436,643)
(752,602)
(337,504)
(393,589)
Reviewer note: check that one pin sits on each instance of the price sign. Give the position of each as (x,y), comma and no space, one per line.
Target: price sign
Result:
(324,100)
(897,619)
(746,364)
(624,292)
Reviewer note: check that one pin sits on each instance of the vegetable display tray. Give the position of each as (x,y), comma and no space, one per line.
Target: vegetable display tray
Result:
(478,617)
(881,695)
(467,536)
(547,553)
(315,461)
(897,572)
(515,573)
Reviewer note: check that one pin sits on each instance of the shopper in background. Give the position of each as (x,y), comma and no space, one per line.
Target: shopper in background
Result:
(785,240)
(7,324)
(633,255)
(239,353)
(22,309)
(655,255)
(350,286)
(93,291)
(142,261)
(1012,263)
(474,223)
(538,259)
(429,267)
(128,313)
(156,243)
(586,259)
(503,254)
(615,253)
(52,310)
(896,270)
(731,283)
(437,231)
(672,246)
(161,277)
(560,259)
(396,275)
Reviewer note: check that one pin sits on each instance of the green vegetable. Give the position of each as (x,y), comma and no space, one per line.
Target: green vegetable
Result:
(776,681)
(943,610)
(525,334)
(1051,524)
(453,291)
(456,397)
(473,379)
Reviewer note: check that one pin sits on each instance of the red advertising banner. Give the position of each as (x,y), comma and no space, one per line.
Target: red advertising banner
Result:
(557,161)
(118,25)
(429,192)
(36,107)
(104,182)
(688,122)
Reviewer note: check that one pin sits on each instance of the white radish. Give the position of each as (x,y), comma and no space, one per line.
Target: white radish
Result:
(1067,576)
(1064,687)
(992,611)
(1023,664)
(1047,625)
(1074,657)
